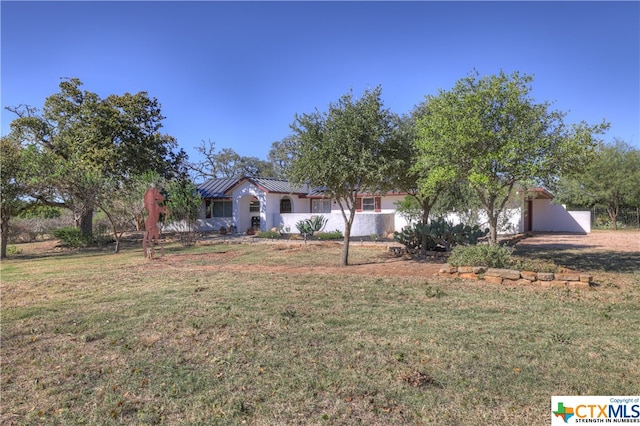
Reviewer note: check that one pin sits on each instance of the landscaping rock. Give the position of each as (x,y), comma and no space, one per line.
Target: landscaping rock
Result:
(558,283)
(448,268)
(568,277)
(465,269)
(468,276)
(528,275)
(479,269)
(545,276)
(493,279)
(586,278)
(579,284)
(509,274)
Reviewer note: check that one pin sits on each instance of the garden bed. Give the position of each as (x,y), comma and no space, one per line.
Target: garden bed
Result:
(564,278)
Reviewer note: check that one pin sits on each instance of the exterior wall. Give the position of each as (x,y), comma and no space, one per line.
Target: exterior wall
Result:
(364,224)
(509,223)
(549,217)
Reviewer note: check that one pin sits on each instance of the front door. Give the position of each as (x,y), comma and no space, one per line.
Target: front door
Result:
(254,213)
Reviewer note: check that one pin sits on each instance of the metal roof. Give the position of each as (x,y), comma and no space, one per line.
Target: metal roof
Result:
(279,185)
(221,187)
(216,188)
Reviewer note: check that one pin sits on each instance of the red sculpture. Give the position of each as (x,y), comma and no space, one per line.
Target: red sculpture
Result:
(151,230)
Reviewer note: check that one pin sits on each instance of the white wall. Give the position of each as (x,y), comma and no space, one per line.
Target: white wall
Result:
(549,217)
(508,223)
(364,224)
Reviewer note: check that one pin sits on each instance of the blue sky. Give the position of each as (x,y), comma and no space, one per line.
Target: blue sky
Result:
(237,72)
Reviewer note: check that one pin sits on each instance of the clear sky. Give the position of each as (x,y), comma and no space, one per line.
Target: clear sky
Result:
(237,72)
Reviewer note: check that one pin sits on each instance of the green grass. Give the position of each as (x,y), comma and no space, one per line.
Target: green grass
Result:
(114,339)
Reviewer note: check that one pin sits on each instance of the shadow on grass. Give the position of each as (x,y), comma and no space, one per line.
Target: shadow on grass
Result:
(578,257)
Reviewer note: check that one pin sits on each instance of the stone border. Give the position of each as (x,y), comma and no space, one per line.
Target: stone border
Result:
(565,278)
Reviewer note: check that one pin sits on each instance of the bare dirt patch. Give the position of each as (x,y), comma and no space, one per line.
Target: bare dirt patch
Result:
(615,241)
(611,251)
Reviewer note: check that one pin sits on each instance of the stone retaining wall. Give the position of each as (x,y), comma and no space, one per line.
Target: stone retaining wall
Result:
(565,278)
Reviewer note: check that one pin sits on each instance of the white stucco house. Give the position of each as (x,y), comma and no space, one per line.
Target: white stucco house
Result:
(260,204)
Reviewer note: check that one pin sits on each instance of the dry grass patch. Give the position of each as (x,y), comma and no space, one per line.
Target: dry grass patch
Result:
(218,335)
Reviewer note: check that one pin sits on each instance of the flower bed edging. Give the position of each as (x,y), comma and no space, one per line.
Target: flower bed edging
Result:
(565,278)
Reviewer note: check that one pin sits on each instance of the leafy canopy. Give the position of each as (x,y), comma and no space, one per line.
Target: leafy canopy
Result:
(490,131)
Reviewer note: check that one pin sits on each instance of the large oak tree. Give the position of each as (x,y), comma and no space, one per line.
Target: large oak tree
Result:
(80,139)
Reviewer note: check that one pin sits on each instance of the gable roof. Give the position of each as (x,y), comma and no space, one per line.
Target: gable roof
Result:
(282,186)
(221,187)
(216,187)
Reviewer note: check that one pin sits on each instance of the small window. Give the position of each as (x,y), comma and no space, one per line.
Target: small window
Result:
(321,206)
(218,209)
(254,207)
(368,204)
(285,205)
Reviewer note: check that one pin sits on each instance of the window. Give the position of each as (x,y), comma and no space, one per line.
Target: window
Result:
(254,206)
(321,206)
(285,205)
(218,209)
(368,204)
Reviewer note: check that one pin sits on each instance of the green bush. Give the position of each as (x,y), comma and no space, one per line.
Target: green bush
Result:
(333,235)
(439,234)
(71,236)
(491,256)
(13,250)
(536,265)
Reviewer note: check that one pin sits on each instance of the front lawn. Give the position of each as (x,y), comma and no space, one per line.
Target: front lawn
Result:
(211,335)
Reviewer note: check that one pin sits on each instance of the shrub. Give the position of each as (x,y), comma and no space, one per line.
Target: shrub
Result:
(13,250)
(72,237)
(312,225)
(439,234)
(268,234)
(491,256)
(333,235)
(536,265)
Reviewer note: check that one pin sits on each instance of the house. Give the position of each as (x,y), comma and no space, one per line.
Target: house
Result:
(260,204)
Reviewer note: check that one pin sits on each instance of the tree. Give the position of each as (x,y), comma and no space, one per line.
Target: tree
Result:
(227,163)
(347,150)
(280,156)
(123,204)
(13,192)
(184,204)
(80,139)
(491,133)
(611,179)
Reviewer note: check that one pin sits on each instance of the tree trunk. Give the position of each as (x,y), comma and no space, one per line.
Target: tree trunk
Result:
(613,215)
(4,235)
(426,209)
(493,230)
(345,245)
(86,223)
